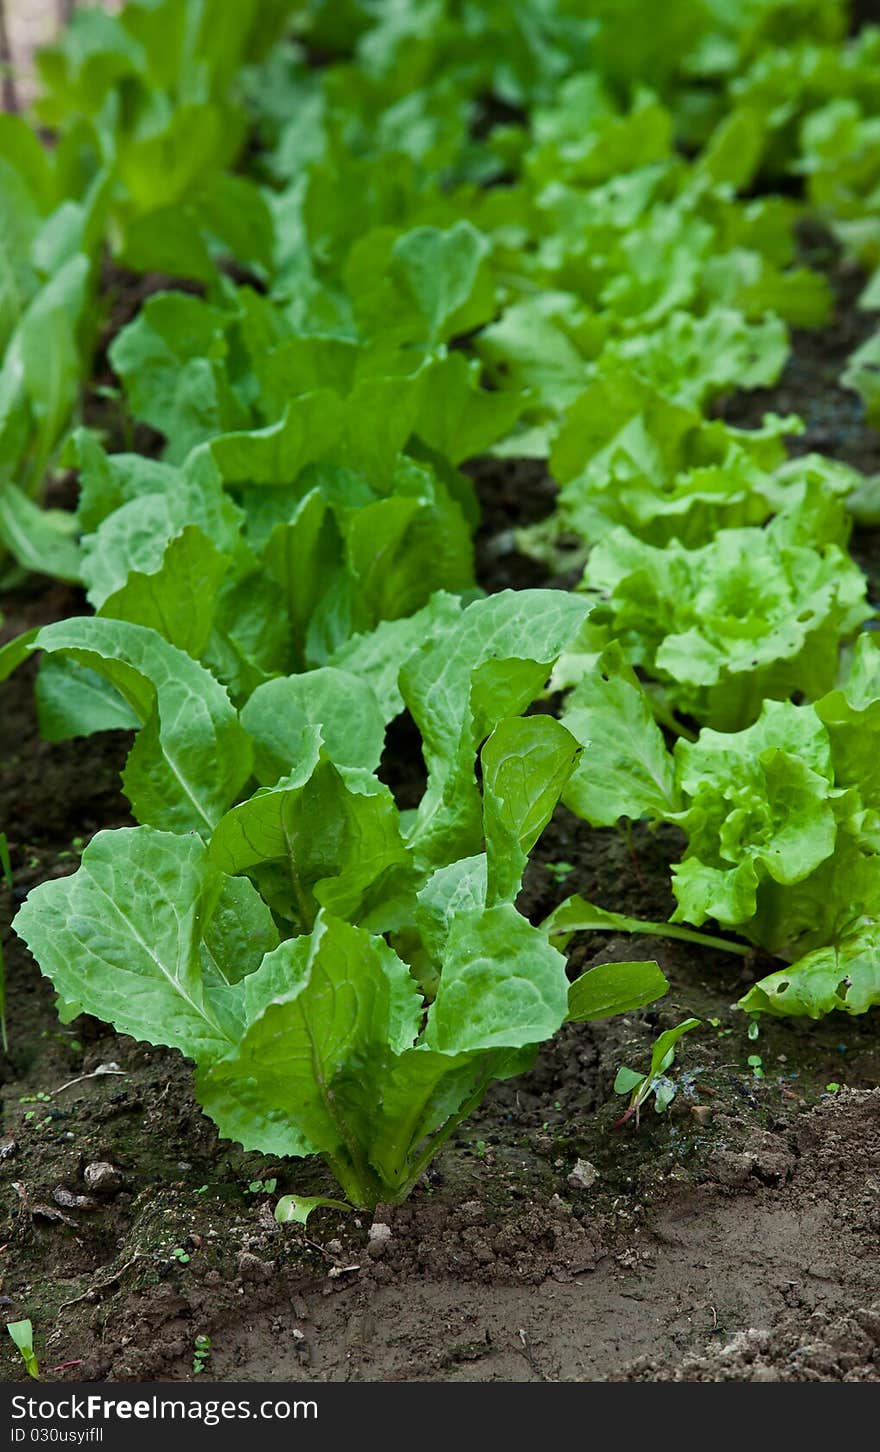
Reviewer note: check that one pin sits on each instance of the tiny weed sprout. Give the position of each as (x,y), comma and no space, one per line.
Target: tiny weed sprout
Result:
(756,1064)
(559,871)
(640,1087)
(22,1333)
(201,1354)
(262,1187)
(180,1255)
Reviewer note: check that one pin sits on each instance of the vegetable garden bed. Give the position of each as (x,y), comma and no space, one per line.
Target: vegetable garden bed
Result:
(732,1236)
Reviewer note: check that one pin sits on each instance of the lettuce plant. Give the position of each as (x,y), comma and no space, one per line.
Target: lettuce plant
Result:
(153,97)
(348,978)
(781,822)
(753,614)
(296,569)
(49,244)
(628,455)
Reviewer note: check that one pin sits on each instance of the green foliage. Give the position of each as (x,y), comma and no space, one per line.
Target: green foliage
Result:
(22,1333)
(640,1087)
(201,1354)
(782,842)
(6,870)
(348,978)
(752,615)
(533,231)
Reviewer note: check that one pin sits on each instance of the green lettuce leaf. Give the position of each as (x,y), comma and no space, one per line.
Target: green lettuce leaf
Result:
(191,756)
(762,808)
(526,763)
(844,976)
(626,770)
(128,937)
(460,684)
(342,704)
(746,617)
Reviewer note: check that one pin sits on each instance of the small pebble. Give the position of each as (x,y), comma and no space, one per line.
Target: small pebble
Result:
(71,1201)
(102,1177)
(252,1269)
(378,1235)
(583,1176)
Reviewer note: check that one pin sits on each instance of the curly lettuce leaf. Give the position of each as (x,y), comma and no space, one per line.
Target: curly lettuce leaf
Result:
(746,617)
(762,807)
(843,977)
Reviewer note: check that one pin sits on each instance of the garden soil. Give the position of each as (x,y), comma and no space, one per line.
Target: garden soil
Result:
(736,1237)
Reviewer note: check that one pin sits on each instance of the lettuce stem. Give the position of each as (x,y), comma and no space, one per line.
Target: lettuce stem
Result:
(657,930)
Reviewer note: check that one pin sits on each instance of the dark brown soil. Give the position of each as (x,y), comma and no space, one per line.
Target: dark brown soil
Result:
(512,493)
(810,384)
(734,1237)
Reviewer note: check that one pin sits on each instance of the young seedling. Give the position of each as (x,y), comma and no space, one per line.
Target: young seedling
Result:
(22,1333)
(262,1187)
(180,1255)
(559,871)
(201,1354)
(641,1086)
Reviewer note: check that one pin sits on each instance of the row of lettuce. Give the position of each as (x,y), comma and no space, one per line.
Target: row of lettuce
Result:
(423,233)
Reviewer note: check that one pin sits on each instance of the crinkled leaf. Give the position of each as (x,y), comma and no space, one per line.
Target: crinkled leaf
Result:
(844,976)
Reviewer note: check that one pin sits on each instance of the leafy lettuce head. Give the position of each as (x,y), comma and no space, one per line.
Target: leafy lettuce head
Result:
(761,811)
(748,616)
